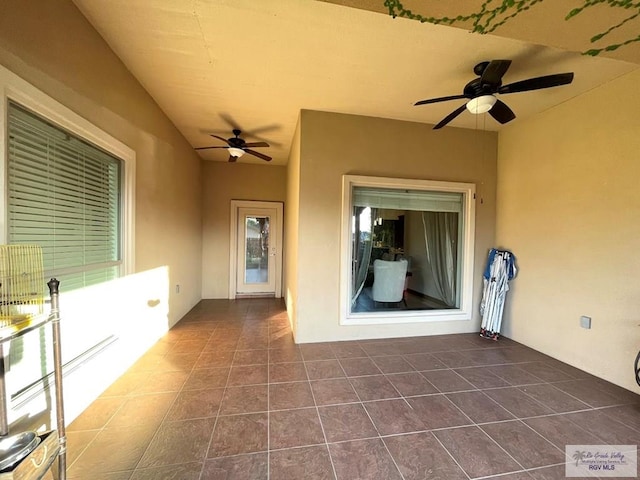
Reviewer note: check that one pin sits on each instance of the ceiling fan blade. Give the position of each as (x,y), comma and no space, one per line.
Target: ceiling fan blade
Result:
(256,144)
(232,159)
(440,99)
(266,128)
(501,112)
(451,116)
(219,138)
(230,121)
(248,133)
(494,72)
(258,154)
(207,148)
(537,83)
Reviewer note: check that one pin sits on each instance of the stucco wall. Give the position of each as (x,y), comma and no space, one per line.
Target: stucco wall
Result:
(291,230)
(333,145)
(223,182)
(569,209)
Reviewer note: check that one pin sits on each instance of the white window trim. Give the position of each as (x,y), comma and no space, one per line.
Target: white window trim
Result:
(408,316)
(14,88)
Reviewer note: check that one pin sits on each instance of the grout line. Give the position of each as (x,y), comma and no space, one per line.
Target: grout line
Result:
(166,414)
(215,423)
(268,408)
(324,435)
(450,455)
(373,423)
(498,476)
(500,446)
(542,436)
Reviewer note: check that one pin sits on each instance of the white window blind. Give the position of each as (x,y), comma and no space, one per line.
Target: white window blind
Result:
(63,194)
(400,199)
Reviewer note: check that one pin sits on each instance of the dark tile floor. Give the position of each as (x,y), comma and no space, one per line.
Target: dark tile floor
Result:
(226,394)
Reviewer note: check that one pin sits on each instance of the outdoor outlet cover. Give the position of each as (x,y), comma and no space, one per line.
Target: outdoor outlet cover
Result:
(585,322)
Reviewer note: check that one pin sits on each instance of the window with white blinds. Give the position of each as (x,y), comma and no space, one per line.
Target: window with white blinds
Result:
(65,195)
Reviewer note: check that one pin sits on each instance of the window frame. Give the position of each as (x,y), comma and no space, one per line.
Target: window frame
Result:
(15,89)
(464,312)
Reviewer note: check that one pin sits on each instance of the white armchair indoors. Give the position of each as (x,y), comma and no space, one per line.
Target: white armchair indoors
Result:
(389,279)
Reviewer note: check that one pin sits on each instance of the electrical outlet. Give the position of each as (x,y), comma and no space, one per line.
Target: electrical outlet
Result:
(585,322)
(177,288)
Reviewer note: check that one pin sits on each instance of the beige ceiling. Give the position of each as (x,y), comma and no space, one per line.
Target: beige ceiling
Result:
(256,63)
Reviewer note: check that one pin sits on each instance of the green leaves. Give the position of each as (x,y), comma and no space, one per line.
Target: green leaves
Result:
(485,20)
(494,14)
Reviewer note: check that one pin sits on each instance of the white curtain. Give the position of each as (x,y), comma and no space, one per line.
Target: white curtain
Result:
(361,254)
(441,242)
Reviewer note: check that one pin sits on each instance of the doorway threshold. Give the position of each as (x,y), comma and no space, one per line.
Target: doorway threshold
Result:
(255,295)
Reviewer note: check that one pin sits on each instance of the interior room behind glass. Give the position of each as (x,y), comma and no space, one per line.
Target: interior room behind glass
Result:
(408,242)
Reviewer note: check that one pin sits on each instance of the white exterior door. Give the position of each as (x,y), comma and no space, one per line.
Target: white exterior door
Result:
(258,251)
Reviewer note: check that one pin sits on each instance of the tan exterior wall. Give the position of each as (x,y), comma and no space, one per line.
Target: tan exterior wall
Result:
(569,209)
(53,47)
(223,182)
(50,45)
(333,145)
(291,230)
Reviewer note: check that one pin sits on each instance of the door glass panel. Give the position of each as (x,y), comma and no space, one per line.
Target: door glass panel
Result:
(256,250)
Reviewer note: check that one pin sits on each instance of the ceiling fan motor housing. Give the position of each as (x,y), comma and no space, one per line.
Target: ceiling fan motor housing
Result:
(476,88)
(236,142)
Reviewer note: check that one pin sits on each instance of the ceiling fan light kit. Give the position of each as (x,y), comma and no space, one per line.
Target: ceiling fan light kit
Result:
(481,92)
(235,152)
(481,104)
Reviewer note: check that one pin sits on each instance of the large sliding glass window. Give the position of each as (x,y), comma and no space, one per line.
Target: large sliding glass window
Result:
(408,249)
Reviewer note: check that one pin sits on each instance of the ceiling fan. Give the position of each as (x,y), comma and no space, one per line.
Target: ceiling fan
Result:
(481,92)
(237,147)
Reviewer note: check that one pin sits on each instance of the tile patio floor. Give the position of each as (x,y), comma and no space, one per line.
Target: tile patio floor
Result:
(226,394)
